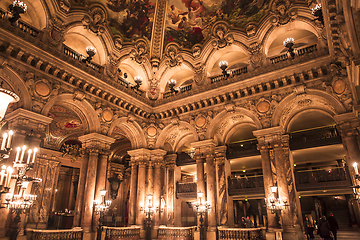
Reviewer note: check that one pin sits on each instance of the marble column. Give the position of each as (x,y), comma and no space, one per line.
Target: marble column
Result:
(225,205)
(211,187)
(132,196)
(149,179)
(89,192)
(170,189)
(348,125)
(157,158)
(80,191)
(93,143)
(30,129)
(142,157)
(268,180)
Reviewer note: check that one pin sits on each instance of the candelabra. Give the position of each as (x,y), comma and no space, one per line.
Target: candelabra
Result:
(149,210)
(317,12)
(18,7)
(223,66)
(138,81)
(91,51)
(172,84)
(201,208)
(356,187)
(276,205)
(289,44)
(101,208)
(18,204)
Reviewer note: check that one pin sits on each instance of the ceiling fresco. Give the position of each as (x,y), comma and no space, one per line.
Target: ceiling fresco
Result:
(65,122)
(128,18)
(189,21)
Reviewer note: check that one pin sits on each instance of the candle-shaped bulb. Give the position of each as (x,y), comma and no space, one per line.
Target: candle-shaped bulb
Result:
(29,156)
(11,133)
(22,153)
(355,165)
(35,151)
(5,135)
(8,178)
(3,169)
(18,149)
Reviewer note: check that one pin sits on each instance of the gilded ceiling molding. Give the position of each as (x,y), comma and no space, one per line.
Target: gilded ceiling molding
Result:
(132,130)
(95,20)
(158,33)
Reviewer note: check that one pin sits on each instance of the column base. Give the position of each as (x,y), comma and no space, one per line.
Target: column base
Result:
(87,229)
(197,235)
(292,234)
(211,234)
(274,234)
(154,232)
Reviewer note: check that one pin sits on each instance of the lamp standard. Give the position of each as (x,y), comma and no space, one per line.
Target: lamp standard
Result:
(356,187)
(201,208)
(223,66)
(149,210)
(101,208)
(289,44)
(276,205)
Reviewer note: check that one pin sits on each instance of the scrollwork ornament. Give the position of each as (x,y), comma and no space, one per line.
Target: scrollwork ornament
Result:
(222,36)
(95,21)
(282,12)
(200,75)
(139,53)
(173,57)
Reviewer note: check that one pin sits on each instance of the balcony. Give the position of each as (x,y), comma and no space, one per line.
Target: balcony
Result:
(322,179)
(242,149)
(314,138)
(246,185)
(186,190)
(182,89)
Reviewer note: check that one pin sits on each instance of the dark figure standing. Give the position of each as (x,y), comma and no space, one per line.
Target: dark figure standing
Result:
(324,229)
(309,229)
(333,225)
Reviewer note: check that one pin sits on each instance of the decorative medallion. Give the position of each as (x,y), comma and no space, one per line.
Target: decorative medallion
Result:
(339,86)
(107,115)
(42,89)
(200,121)
(263,106)
(151,131)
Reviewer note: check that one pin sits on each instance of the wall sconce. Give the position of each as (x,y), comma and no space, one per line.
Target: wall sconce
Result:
(317,12)
(18,7)
(91,51)
(172,84)
(289,43)
(201,208)
(138,81)
(223,66)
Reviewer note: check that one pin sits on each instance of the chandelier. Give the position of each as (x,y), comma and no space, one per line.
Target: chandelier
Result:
(6,97)
(172,83)
(223,66)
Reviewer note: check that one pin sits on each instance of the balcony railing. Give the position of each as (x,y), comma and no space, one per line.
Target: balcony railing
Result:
(176,233)
(242,149)
(240,233)
(298,52)
(27,28)
(111,233)
(182,89)
(246,185)
(71,234)
(314,138)
(78,57)
(325,178)
(233,72)
(186,190)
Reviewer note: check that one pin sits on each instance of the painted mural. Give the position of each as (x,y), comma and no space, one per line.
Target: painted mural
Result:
(189,21)
(128,18)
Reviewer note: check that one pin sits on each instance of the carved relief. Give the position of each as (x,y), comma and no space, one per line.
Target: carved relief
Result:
(139,54)
(251,30)
(282,12)
(173,56)
(95,21)
(200,75)
(222,36)
(256,57)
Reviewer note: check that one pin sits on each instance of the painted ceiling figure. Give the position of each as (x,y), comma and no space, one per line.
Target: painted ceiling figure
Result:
(175,14)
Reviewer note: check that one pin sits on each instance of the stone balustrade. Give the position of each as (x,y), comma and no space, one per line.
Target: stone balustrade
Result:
(240,233)
(176,233)
(67,234)
(114,233)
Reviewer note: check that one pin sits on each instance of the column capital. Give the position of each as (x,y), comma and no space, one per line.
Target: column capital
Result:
(271,137)
(25,121)
(140,155)
(170,159)
(204,144)
(269,132)
(96,141)
(157,155)
(350,119)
